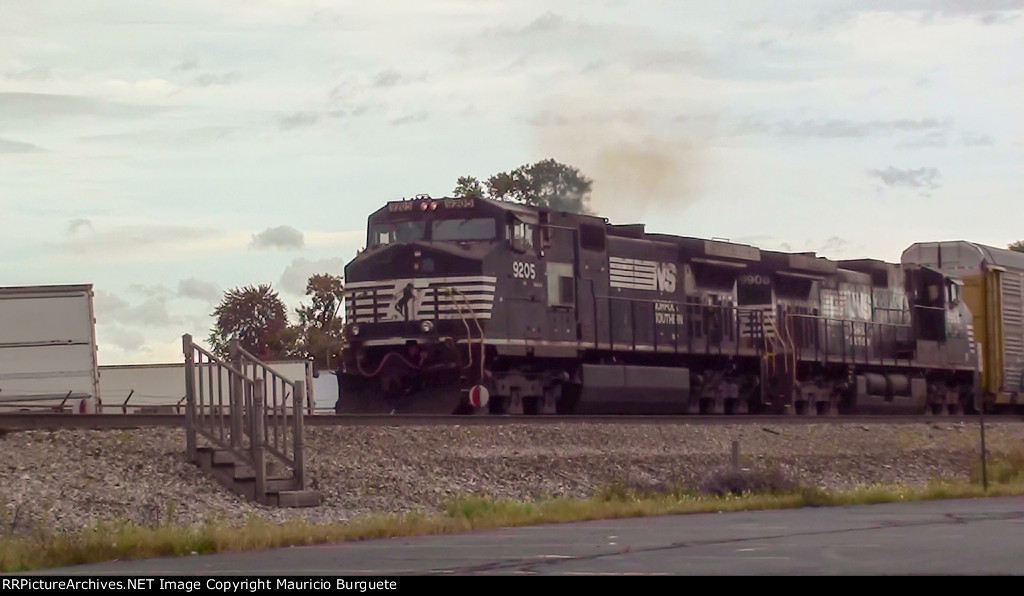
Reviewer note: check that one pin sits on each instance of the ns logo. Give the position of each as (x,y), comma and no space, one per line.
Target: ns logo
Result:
(665,277)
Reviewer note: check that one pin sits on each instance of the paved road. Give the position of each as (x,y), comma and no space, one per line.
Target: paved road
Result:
(964,536)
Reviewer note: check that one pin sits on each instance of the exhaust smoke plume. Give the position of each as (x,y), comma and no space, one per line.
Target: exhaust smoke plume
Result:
(637,174)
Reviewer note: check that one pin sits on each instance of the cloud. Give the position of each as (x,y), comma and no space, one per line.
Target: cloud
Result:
(295,275)
(186,64)
(78,224)
(909,178)
(108,303)
(151,312)
(139,242)
(35,73)
(198,290)
(151,291)
(283,237)
(834,128)
(335,239)
(157,86)
(126,340)
(543,30)
(833,246)
(669,61)
(989,12)
(387,78)
(935,138)
(210,79)
(973,139)
(16,107)
(9,146)
(297,120)
(181,137)
(420,116)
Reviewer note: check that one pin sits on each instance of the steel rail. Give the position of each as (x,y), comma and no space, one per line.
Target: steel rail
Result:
(55,421)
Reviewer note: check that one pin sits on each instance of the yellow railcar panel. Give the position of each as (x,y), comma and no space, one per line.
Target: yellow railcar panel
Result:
(982,296)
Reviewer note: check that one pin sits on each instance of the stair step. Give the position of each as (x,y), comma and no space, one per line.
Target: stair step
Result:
(272,483)
(298,498)
(279,485)
(223,457)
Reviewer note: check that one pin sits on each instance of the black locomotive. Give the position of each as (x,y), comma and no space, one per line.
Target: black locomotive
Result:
(474,305)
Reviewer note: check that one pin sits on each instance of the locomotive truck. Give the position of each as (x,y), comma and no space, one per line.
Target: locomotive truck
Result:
(472,305)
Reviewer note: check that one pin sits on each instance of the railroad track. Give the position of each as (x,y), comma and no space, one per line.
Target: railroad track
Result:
(39,421)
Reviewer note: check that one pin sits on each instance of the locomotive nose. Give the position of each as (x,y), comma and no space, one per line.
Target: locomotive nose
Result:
(413,260)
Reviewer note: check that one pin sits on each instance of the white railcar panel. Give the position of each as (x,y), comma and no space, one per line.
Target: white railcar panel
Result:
(35,319)
(1013,329)
(164,384)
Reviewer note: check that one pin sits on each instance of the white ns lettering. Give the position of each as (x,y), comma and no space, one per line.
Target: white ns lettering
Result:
(666,277)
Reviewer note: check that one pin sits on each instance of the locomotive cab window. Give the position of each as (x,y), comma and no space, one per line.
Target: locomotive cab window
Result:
(521,234)
(396,231)
(954,292)
(592,237)
(463,230)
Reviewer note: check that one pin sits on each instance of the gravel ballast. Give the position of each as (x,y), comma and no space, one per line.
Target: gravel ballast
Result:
(70,479)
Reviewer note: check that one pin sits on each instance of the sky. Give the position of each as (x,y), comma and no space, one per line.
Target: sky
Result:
(168,151)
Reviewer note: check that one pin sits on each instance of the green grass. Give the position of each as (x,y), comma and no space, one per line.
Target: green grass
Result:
(128,540)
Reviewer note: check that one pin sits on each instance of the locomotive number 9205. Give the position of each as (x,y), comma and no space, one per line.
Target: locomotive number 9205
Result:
(524,270)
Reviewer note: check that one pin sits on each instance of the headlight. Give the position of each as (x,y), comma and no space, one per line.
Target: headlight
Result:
(427,326)
(354,329)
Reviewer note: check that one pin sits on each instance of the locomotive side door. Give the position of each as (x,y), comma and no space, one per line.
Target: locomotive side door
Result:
(560,270)
(561,282)
(526,291)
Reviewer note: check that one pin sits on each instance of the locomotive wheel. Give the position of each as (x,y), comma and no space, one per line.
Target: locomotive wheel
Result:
(566,404)
(497,404)
(391,386)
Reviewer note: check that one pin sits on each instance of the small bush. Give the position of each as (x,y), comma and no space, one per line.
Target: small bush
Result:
(1003,468)
(615,492)
(748,482)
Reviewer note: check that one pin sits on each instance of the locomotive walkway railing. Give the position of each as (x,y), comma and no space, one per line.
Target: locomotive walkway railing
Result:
(242,407)
(713,329)
(724,329)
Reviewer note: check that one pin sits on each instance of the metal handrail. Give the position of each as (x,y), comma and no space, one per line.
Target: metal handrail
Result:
(249,425)
(274,428)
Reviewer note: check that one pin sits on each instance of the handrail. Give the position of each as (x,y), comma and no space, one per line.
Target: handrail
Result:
(251,424)
(747,327)
(124,406)
(262,364)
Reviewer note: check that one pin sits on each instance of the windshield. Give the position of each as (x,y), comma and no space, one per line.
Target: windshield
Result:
(481,228)
(399,231)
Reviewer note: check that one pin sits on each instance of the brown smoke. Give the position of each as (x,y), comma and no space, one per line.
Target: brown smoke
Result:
(637,172)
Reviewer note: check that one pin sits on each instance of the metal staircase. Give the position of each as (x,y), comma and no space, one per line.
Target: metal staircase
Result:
(253,438)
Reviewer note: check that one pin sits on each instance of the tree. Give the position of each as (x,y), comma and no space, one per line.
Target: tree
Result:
(255,316)
(319,332)
(1017,246)
(468,187)
(546,183)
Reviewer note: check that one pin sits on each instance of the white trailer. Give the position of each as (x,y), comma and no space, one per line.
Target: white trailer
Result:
(142,388)
(48,349)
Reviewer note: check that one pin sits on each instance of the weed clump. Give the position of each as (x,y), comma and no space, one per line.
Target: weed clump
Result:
(741,481)
(1003,468)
